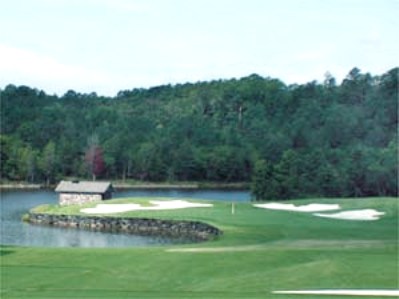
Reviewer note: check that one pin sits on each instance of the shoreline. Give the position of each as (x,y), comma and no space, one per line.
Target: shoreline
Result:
(20,186)
(192,186)
(154,186)
(141,185)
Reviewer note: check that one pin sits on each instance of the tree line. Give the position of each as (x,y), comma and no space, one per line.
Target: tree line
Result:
(313,139)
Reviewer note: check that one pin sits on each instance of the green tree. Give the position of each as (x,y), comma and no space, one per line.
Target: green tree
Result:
(29,163)
(5,153)
(48,162)
(319,139)
(287,174)
(149,164)
(382,171)
(94,158)
(264,185)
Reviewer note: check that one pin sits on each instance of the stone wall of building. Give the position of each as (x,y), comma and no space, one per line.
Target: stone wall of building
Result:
(192,230)
(75,198)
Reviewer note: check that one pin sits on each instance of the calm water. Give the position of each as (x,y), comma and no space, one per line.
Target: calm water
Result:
(13,204)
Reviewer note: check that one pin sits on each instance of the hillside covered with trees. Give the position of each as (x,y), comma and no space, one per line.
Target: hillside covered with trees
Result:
(314,139)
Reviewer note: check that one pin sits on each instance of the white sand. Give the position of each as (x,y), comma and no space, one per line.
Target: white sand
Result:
(363,215)
(111,208)
(157,205)
(314,207)
(380,293)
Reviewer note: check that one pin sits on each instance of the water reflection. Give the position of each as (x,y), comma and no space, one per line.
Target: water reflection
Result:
(14,204)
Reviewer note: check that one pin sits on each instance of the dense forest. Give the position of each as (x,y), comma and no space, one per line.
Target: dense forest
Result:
(314,139)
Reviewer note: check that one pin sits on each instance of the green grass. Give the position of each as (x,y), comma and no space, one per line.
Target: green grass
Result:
(261,251)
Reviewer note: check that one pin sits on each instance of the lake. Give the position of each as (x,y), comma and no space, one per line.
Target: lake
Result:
(14,204)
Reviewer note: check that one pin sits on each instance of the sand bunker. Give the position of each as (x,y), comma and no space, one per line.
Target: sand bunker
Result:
(380,293)
(364,215)
(314,207)
(112,208)
(361,215)
(156,205)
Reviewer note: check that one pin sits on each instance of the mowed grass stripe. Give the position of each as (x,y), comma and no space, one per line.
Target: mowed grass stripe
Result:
(115,293)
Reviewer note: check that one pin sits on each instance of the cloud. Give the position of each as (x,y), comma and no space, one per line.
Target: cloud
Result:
(20,66)
(24,67)
(122,5)
(116,5)
(374,36)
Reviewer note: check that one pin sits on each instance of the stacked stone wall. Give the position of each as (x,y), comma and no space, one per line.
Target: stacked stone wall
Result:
(193,230)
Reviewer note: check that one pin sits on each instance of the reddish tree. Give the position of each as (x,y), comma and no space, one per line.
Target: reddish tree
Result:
(95,161)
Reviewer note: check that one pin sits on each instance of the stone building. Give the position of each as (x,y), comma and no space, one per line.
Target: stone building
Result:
(80,192)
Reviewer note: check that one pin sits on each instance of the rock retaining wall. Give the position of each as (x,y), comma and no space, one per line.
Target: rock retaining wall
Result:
(196,231)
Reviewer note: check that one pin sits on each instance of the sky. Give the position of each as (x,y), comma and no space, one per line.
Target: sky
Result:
(105,46)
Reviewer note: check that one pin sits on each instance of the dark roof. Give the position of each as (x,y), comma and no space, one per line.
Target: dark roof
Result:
(83,187)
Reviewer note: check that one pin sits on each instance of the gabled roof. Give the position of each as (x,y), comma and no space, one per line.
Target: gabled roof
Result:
(83,187)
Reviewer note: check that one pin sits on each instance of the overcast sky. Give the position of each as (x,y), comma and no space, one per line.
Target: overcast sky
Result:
(111,45)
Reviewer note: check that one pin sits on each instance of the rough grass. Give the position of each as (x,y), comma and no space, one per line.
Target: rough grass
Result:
(261,251)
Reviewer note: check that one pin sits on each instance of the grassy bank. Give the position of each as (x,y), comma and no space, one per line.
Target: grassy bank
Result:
(261,251)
